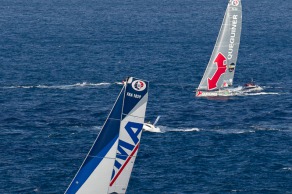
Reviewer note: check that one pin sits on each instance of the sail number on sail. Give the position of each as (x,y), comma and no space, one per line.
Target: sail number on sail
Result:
(134,95)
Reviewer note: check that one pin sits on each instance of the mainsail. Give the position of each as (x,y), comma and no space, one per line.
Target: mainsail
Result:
(108,165)
(221,67)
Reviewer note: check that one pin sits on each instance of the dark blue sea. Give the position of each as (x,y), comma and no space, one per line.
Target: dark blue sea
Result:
(59,64)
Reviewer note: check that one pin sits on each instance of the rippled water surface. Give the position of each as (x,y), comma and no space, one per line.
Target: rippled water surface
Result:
(60,64)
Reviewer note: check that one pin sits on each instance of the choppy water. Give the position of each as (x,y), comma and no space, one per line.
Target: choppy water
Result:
(60,61)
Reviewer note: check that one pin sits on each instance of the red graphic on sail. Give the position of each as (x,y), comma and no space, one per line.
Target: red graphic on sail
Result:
(221,68)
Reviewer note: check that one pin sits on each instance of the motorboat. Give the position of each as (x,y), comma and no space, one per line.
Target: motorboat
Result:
(151,127)
(251,87)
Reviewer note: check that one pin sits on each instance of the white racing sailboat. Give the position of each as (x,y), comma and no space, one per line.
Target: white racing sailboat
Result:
(218,77)
(108,165)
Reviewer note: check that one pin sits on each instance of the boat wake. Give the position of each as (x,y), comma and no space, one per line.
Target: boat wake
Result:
(165,129)
(230,131)
(261,93)
(268,128)
(287,168)
(240,91)
(62,87)
(252,129)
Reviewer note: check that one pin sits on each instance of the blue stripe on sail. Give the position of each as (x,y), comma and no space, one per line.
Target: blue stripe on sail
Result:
(110,131)
(89,167)
(101,146)
(127,100)
(117,109)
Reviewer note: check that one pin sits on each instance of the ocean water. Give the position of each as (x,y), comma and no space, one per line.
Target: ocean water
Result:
(59,64)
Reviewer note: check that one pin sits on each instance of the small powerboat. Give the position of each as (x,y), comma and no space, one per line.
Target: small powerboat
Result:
(252,87)
(151,127)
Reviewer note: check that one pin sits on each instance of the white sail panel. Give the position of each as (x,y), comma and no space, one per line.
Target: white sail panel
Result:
(120,184)
(110,161)
(130,135)
(92,185)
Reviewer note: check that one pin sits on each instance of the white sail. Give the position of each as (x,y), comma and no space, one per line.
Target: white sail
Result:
(221,67)
(156,120)
(109,163)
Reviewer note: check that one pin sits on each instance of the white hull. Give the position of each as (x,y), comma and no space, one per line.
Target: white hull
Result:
(151,128)
(229,91)
(214,93)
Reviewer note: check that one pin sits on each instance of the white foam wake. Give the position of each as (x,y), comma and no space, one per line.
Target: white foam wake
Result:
(64,87)
(287,168)
(232,131)
(261,93)
(165,129)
